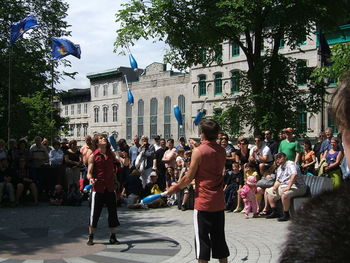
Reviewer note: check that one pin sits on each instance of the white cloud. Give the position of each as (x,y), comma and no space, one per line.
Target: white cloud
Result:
(94,28)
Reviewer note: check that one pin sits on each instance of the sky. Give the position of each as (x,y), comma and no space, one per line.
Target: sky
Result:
(93,27)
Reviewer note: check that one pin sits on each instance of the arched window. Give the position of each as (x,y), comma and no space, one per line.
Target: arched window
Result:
(153,117)
(202,89)
(218,83)
(181,103)
(96,112)
(115,113)
(105,114)
(128,121)
(235,81)
(140,115)
(167,117)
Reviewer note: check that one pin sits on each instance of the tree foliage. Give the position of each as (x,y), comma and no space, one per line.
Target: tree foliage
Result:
(191,26)
(31,58)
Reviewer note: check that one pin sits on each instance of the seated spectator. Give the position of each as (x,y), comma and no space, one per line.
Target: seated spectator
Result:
(288,184)
(74,163)
(133,190)
(153,188)
(7,175)
(56,157)
(22,152)
(230,152)
(273,145)
(45,142)
(73,196)
(3,151)
(333,159)
(189,188)
(308,158)
(232,181)
(260,155)
(182,144)
(12,153)
(317,147)
(58,196)
(25,182)
(267,180)
(242,154)
(39,157)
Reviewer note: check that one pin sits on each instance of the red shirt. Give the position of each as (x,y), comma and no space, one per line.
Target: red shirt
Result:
(103,171)
(209,180)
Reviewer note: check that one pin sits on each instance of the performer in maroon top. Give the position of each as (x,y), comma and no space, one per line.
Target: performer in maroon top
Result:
(207,167)
(101,174)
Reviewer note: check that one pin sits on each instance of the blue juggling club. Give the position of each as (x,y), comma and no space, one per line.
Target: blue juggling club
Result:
(151,198)
(133,63)
(113,142)
(130,96)
(200,114)
(178,115)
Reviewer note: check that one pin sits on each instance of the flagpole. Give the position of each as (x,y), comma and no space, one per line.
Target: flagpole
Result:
(52,95)
(9,100)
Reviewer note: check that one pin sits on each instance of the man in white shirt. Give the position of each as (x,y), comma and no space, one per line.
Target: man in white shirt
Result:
(261,155)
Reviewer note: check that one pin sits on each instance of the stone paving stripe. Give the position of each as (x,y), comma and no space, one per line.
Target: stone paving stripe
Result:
(102,259)
(146,245)
(36,232)
(13,261)
(78,260)
(33,261)
(54,261)
(154,251)
(145,258)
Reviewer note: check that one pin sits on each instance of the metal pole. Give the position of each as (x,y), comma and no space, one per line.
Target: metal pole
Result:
(9,101)
(52,95)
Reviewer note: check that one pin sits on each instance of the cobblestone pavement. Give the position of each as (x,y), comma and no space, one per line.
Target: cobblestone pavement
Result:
(47,234)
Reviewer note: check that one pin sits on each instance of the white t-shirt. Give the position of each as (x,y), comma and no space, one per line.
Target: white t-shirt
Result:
(263,151)
(285,171)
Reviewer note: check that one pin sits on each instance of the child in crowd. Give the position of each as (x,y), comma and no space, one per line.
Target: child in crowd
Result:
(57,196)
(133,190)
(249,170)
(74,196)
(232,181)
(7,174)
(248,194)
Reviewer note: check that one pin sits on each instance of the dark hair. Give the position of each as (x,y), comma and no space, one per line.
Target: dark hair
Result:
(258,137)
(56,143)
(170,140)
(123,146)
(307,142)
(279,155)
(210,129)
(251,165)
(71,142)
(96,138)
(318,227)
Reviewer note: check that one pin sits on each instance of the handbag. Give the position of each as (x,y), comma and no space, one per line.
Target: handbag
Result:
(266,182)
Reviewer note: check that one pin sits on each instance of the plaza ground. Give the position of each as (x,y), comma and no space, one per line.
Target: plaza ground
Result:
(48,234)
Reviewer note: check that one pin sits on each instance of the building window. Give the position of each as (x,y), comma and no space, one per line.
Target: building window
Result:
(140,115)
(128,121)
(235,49)
(153,117)
(96,91)
(85,108)
(115,88)
(85,130)
(79,109)
(167,117)
(301,72)
(218,83)
(96,112)
(302,119)
(105,90)
(115,113)
(105,114)
(235,81)
(72,110)
(66,110)
(78,130)
(202,86)
(330,121)
(181,102)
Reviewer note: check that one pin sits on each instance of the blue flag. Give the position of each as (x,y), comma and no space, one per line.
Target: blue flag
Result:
(22,26)
(63,47)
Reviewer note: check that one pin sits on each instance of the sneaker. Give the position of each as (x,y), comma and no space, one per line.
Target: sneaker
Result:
(274,214)
(113,239)
(90,241)
(285,217)
(183,208)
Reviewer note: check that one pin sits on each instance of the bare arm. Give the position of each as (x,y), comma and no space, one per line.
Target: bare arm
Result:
(191,173)
(90,169)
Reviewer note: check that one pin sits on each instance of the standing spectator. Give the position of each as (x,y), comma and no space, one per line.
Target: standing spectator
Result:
(260,155)
(22,151)
(3,151)
(56,158)
(333,158)
(230,152)
(288,184)
(317,147)
(74,162)
(159,165)
(38,158)
(133,151)
(12,153)
(169,159)
(86,150)
(326,143)
(64,145)
(156,142)
(290,146)
(207,165)
(273,145)
(101,174)
(45,142)
(182,144)
(124,161)
(308,158)
(147,153)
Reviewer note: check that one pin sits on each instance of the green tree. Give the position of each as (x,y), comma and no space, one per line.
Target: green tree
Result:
(31,59)
(191,26)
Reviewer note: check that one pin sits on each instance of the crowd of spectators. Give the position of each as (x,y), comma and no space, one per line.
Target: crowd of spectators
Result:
(57,173)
